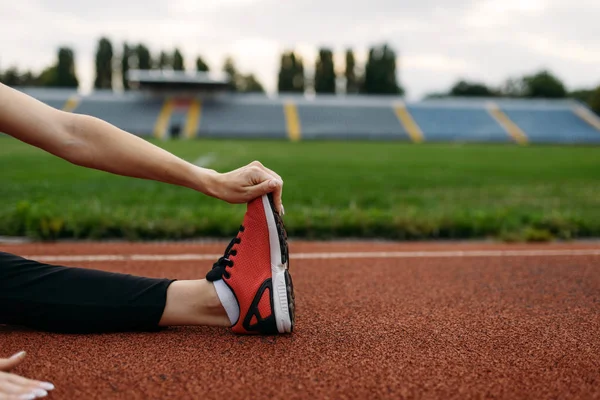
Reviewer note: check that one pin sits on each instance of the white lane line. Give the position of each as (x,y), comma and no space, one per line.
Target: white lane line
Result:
(323,256)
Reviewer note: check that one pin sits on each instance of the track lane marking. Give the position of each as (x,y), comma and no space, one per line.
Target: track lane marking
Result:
(323,256)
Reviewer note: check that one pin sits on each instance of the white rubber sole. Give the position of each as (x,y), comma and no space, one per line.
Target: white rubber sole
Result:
(280,299)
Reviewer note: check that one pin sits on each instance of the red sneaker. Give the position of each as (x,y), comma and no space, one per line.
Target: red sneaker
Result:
(255,269)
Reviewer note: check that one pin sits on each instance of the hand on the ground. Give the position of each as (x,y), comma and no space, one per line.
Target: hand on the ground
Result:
(16,387)
(247,183)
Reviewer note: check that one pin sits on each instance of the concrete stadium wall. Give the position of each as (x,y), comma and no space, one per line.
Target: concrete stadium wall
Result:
(336,117)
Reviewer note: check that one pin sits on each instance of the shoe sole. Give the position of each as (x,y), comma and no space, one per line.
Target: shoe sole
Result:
(283,288)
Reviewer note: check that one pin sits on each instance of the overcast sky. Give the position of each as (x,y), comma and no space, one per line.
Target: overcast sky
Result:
(437,41)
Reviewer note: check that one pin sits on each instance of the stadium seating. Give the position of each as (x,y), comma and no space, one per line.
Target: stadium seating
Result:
(243,117)
(457,124)
(344,122)
(56,98)
(339,117)
(553,126)
(127,111)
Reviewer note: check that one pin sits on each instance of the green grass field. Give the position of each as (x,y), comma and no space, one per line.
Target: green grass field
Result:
(332,189)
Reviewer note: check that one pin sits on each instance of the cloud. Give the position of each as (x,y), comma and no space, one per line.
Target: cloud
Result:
(493,13)
(436,41)
(434,63)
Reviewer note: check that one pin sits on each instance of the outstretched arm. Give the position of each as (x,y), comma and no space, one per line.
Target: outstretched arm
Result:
(90,142)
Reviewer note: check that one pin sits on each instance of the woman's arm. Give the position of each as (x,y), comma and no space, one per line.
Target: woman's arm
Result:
(90,142)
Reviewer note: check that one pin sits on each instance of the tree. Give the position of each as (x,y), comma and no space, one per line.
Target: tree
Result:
(11,77)
(285,81)
(544,85)
(104,69)
(178,64)
(249,84)
(436,95)
(299,80)
(65,69)
(125,56)
(239,82)
(229,68)
(291,73)
(464,88)
(28,79)
(595,101)
(48,76)
(513,87)
(201,65)
(143,57)
(380,72)
(350,73)
(582,95)
(231,71)
(325,72)
(164,61)
(284,78)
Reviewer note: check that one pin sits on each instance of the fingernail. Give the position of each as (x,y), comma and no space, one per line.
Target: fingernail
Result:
(47,386)
(282,210)
(18,355)
(39,393)
(29,396)
(272,184)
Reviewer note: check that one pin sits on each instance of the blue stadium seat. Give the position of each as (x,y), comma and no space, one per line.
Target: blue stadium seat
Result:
(135,116)
(449,123)
(53,97)
(242,119)
(553,126)
(338,117)
(349,122)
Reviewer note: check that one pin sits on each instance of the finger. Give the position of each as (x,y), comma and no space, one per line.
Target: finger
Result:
(275,174)
(275,185)
(19,380)
(6,364)
(262,188)
(278,194)
(12,388)
(268,170)
(277,190)
(16,397)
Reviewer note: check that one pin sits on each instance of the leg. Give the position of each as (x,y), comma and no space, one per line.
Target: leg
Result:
(193,303)
(62,299)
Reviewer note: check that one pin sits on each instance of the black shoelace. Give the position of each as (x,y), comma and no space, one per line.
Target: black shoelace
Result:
(219,269)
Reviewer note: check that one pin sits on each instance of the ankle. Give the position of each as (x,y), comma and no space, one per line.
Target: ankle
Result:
(211,300)
(210,304)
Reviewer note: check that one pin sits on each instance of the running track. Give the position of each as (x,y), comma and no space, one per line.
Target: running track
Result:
(374,320)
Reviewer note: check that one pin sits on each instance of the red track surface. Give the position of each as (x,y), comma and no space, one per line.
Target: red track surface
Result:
(458,327)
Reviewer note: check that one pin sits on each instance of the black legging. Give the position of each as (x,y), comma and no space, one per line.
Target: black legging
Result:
(77,300)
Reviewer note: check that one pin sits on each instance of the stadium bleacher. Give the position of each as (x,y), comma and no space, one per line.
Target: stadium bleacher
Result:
(243,117)
(553,126)
(339,121)
(457,122)
(232,115)
(125,111)
(57,98)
